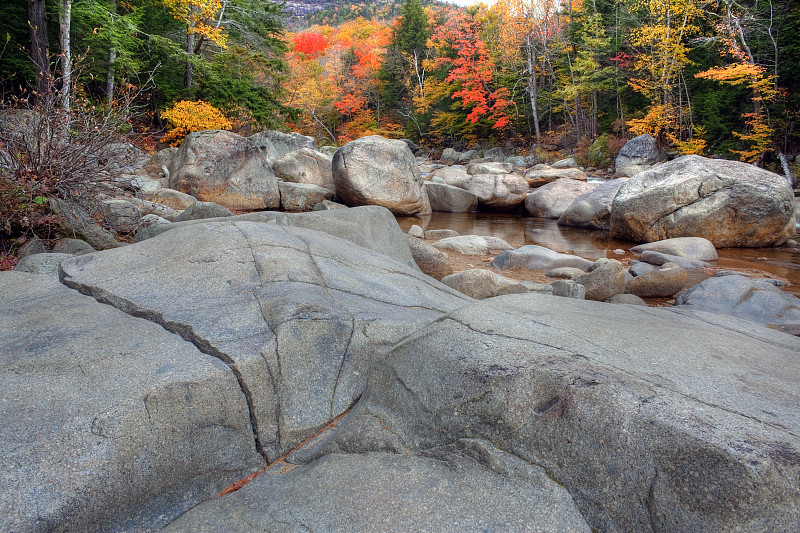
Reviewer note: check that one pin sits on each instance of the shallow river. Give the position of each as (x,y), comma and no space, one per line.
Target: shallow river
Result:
(518,230)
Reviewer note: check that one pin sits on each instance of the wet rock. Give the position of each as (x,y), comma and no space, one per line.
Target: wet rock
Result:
(660,283)
(377,171)
(537,258)
(224,168)
(727,202)
(553,199)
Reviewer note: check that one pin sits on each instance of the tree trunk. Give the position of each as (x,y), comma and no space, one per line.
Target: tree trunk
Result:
(37,23)
(112,57)
(533,89)
(66,63)
(189,78)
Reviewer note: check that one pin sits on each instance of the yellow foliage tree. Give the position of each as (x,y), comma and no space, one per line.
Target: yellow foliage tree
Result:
(187,116)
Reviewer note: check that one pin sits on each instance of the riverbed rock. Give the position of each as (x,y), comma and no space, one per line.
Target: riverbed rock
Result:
(297,197)
(606,277)
(306,166)
(498,191)
(567,288)
(542,174)
(327,205)
(224,168)
(759,301)
(438,234)
(203,210)
(637,155)
(450,199)
(658,258)
(593,208)
(262,297)
(538,257)
(727,202)
(110,422)
(553,199)
(489,168)
(472,244)
(696,248)
(77,220)
(429,259)
(701,439)
(628,299)
(171,198)
(276,144)
(145,207)
(446,490)
(658,283)
(46,263)
(565,273)
(480,283)
(455,176)
(72,246)
(377,171)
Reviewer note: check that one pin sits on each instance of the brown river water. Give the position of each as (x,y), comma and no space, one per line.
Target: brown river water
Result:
(518,230)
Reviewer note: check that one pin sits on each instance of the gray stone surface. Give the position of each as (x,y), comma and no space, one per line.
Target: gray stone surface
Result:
(202,211)
(727,202)
(538,257)
(660,283)
(480,283)
(657,258)
(696,248)
(438,234)
(472,244)
(224,168)
(327,205)
(470,487)
(46,263)
(652,419)
(119,214)
(371,227)
(176,200)
(450,199)
(490,168)
(738,296)
(32,246)
(374,170)
(146,207)
(429,259)
(110,422)
(72,246)
(606,277)
(299,197)
(455,176)
(306,166)
(628,299)
(637,155)
(276,144)
(567,288)
(592,209)
(299,314)
(565,273)
(498,191)
(78,221)
(541,174)
(638,268)
(553,199)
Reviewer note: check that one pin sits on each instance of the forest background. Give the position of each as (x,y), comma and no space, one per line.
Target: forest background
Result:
(714,77)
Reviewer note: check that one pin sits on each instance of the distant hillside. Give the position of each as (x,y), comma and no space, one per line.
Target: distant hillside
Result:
(305,13)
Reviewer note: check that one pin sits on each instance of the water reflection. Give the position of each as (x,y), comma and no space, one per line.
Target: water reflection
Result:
(519,230)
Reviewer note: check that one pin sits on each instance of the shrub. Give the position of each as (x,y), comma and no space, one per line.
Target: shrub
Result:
(186,117)
(49,153)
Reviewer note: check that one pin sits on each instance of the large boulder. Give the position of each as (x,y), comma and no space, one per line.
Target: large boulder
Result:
(498,191)
(110,422)
(450,199)
(553,199)
(756,300)
(658,283)
(538,257)
(429,259)
(638,155)
(469,486)
(593,208)
(299,197)
(652,419)
(378,171)
(606,278)
(224,168)
(696,248)
(727,202)
(276,144)
(306,166)
(455,176)
(299,315)
(542,174)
